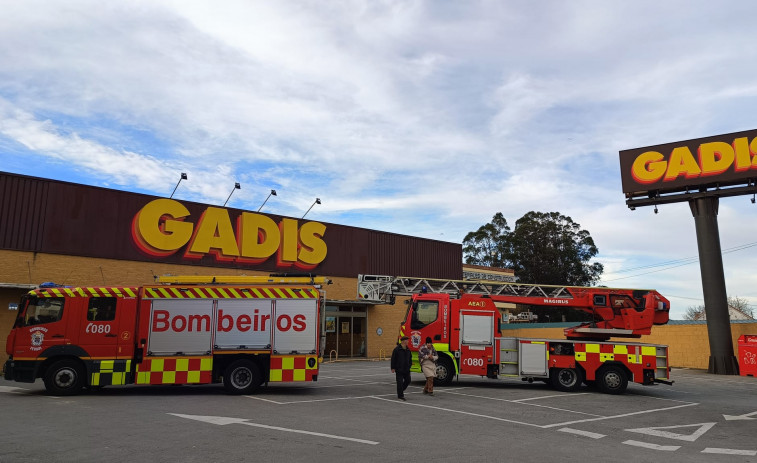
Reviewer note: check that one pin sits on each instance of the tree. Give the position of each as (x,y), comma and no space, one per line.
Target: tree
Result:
(735,302)
(694,313)
(488,245)
(549,248)
(544,248)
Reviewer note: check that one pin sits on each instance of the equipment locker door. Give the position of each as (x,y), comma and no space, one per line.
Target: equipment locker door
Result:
(477,341)
(104,326)
(533,358)
(98,326)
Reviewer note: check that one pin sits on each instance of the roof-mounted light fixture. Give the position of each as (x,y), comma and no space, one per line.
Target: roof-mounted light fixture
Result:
(317,201)
(272,193)
(236,187)
(183,177)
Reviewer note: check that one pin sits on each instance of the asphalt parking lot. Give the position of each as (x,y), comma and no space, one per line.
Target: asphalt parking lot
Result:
(351,413)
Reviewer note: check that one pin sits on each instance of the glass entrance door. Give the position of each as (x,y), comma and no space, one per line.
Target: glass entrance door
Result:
(345,331)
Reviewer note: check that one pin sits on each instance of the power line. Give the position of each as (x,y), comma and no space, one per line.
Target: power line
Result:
(686,261)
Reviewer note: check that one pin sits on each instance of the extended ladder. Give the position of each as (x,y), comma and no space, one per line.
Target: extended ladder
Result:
(381,288)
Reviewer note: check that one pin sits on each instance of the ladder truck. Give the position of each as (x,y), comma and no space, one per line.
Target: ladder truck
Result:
(241,331)
(461,318)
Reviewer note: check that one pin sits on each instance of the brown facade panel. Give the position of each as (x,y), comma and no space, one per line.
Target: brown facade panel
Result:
(23,202)
(47,216)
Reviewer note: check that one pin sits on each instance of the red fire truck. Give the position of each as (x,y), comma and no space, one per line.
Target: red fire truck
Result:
(463,321)
(241,331)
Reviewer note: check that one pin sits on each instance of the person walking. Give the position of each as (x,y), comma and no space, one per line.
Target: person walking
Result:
(428,357)
(401,360)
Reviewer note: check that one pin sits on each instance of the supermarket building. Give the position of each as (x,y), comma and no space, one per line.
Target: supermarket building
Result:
(81,235)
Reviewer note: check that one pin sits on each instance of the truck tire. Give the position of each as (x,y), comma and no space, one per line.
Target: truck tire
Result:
(445,371)
(612,379)
(64,377)
(566,379)
(242,377)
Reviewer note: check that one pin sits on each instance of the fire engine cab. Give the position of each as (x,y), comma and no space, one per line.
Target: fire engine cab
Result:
(241,331)
(461,318)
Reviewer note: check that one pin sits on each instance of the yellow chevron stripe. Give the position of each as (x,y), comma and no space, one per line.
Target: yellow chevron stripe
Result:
(212,293)
(174,292)
(162,292)
(222,292)
(130,292)
(235,293)
(105,292)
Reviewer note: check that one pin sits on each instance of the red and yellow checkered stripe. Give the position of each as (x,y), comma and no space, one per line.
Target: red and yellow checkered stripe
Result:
(289,368)
(175,370)
(104,291)
(228,292)
(593,355)
(111,372)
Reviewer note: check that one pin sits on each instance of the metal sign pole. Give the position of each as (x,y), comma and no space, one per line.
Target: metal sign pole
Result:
(705,212)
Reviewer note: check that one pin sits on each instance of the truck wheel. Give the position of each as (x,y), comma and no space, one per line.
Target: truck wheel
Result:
(612,379)
(445,372)
(64,377)
(566,379)
(242,377)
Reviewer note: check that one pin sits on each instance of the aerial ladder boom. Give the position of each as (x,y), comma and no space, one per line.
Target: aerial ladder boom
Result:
(615,312)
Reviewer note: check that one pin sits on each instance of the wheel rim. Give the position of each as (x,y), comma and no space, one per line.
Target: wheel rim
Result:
(241,378)
(65,378)
(441,372)
(612,380)
(567,377)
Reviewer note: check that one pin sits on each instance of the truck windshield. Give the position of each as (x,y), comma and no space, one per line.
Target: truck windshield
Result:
(424,313)
(41,310)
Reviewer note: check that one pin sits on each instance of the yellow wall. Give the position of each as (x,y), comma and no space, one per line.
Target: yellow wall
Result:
(689,346)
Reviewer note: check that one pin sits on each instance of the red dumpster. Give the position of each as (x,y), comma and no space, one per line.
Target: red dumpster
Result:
(748,355)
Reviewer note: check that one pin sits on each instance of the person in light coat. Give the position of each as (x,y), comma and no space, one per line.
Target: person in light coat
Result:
(428,357)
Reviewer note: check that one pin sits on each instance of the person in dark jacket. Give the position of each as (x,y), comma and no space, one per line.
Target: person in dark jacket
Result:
(401,360)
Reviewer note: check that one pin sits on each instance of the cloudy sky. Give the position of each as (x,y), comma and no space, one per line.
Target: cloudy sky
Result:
(416,117)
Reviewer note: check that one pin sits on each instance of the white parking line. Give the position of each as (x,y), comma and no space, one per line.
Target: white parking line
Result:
(530,405)
(340,385)
(373,396)
(749,453)
(579,432)
(550,396)
(660,398)
(459,411)
(351,378)
(621,416)
(666,448)
(13,390)
(223,421)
